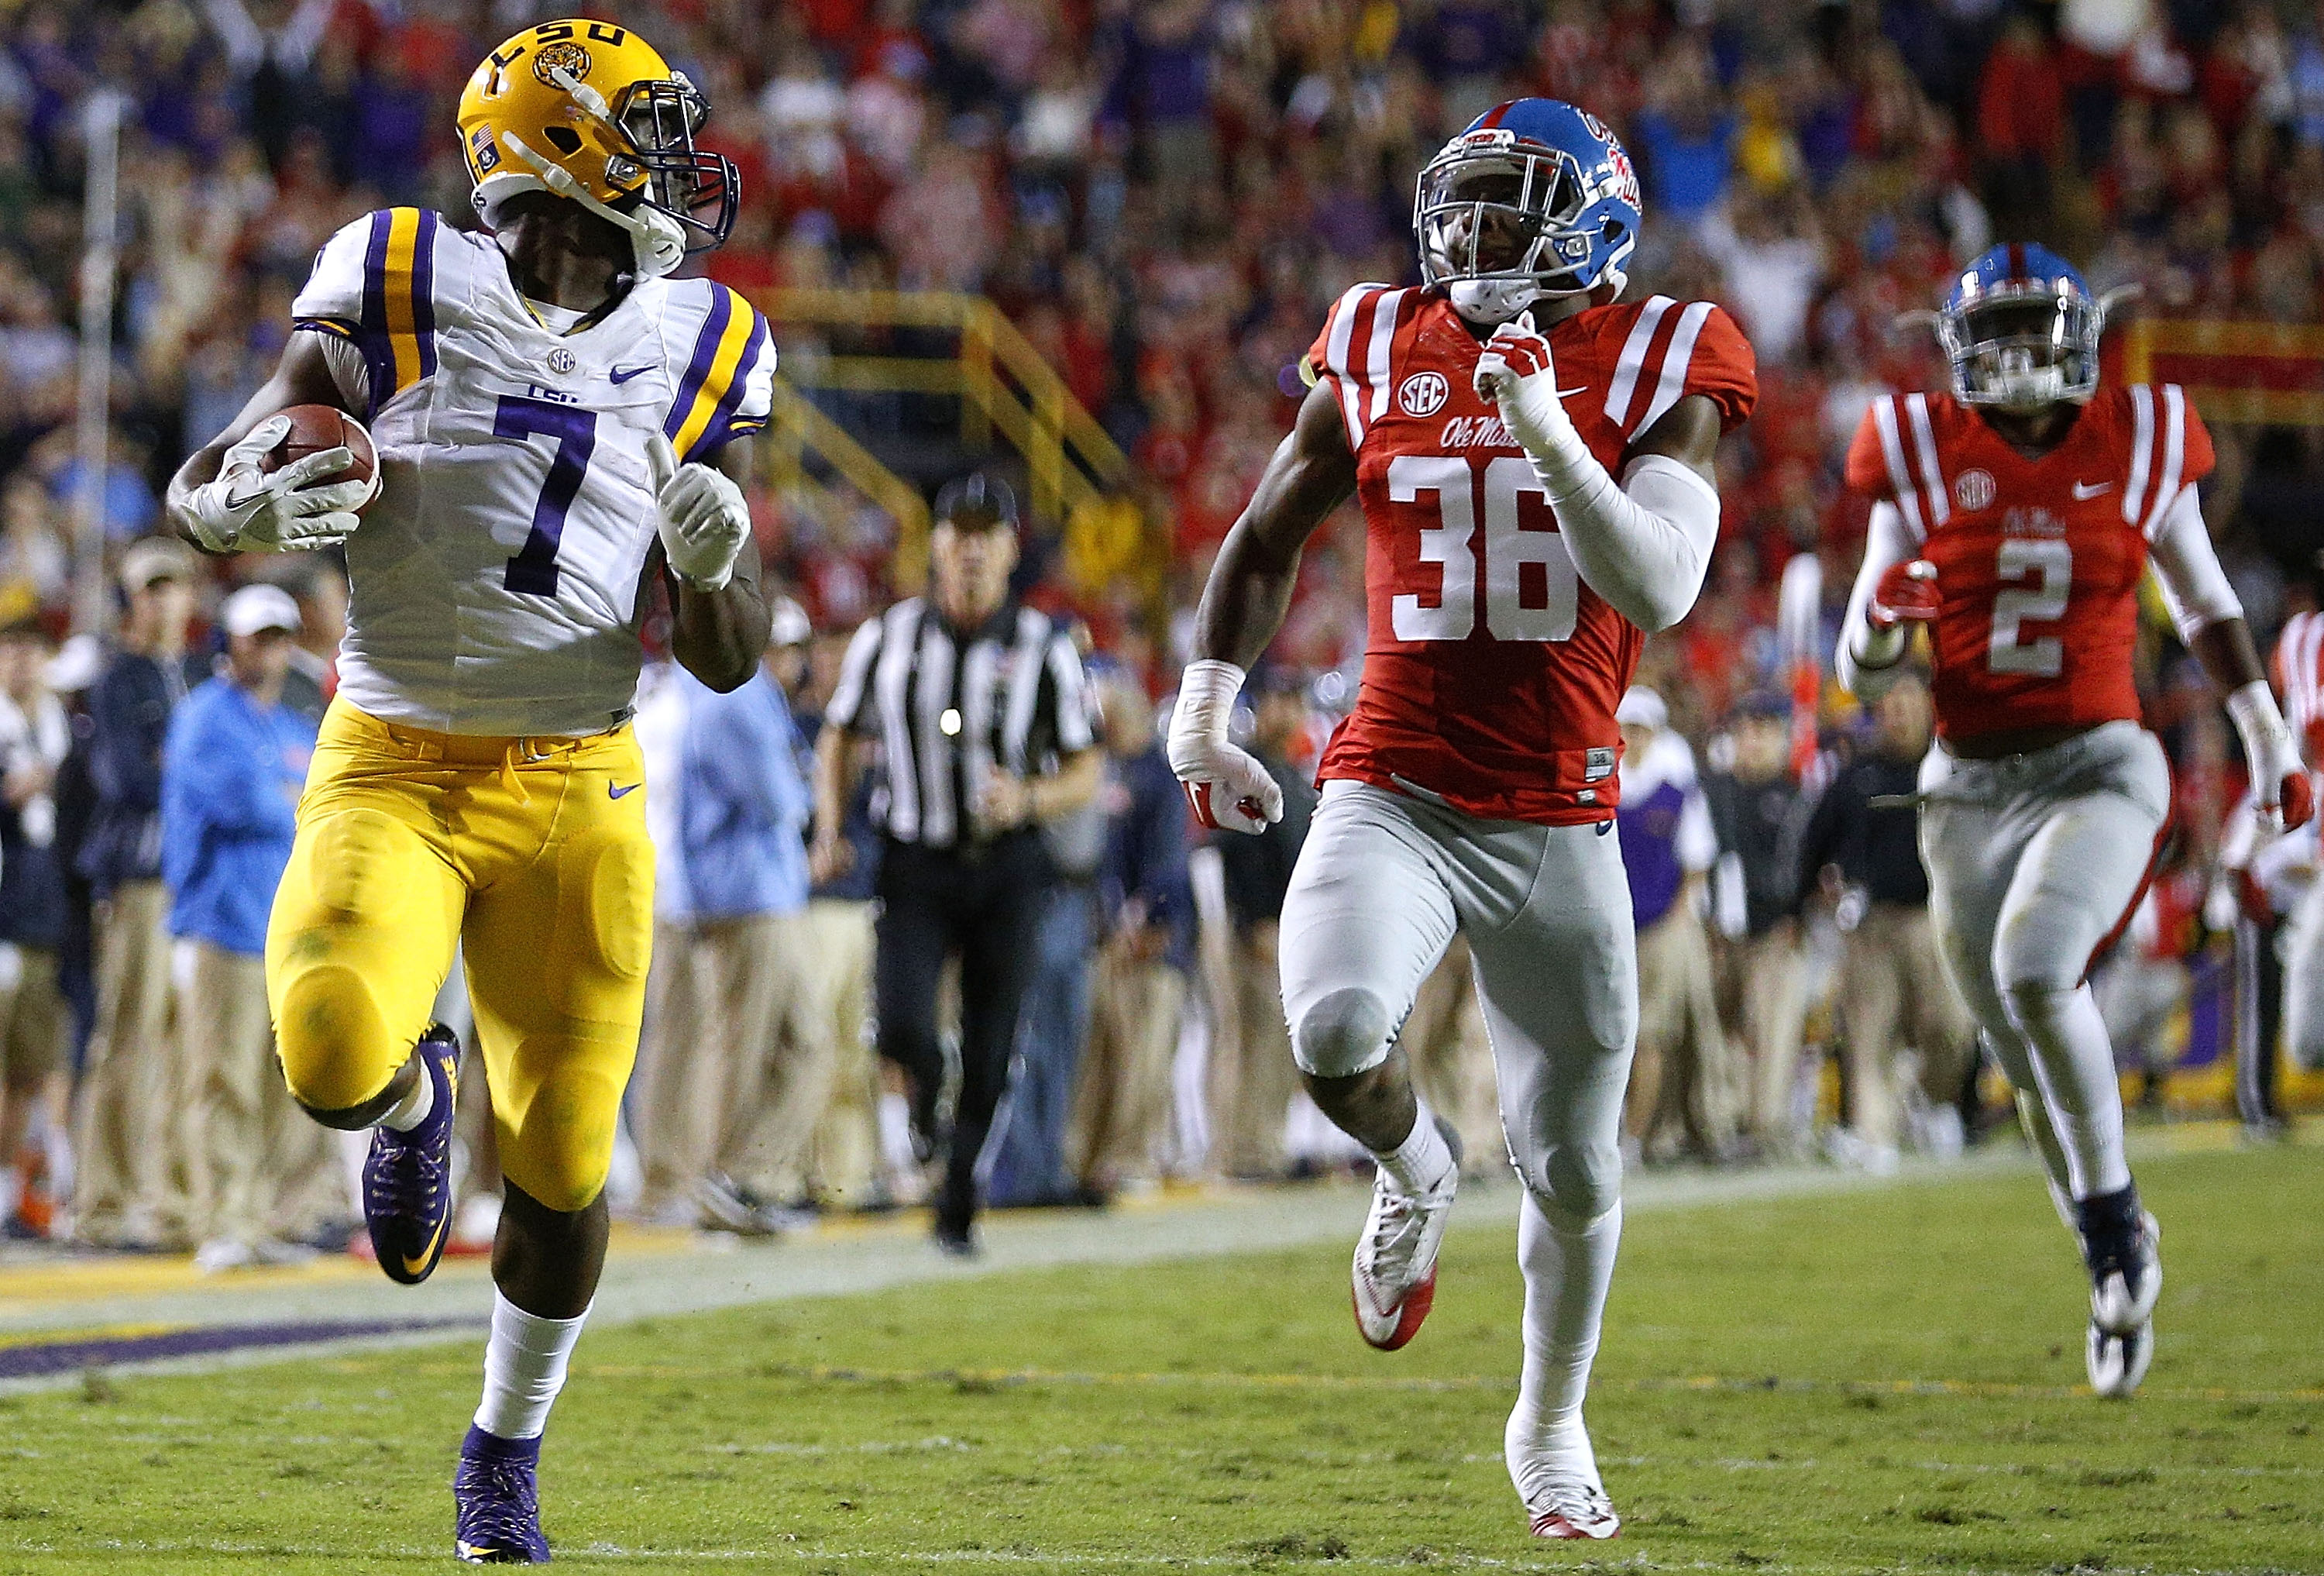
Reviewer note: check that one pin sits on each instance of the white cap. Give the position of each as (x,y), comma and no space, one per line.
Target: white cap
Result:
(260,607)
(791,625)
(1642,708)
(76,665)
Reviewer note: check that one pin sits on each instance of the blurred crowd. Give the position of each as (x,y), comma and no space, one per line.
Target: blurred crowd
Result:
(1164,195)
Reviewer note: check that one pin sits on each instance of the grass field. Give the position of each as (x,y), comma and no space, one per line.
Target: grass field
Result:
(1870,1381)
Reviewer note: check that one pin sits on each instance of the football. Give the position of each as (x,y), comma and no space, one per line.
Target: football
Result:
(316,427)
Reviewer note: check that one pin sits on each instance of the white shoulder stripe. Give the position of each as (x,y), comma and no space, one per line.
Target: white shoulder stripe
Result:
(1343,329)
(1925,443)
(2142,441)
(1634,358)
(1676,360)
(1892,450)
(1383,341)
(2175,459)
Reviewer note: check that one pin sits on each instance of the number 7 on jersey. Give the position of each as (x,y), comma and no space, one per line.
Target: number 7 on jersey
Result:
(533,571)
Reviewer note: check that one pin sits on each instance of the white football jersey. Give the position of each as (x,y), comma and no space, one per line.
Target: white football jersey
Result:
(494,580)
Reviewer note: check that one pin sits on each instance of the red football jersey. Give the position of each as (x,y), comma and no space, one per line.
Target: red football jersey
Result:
(2038,558)
(2300,679)
(1490,671)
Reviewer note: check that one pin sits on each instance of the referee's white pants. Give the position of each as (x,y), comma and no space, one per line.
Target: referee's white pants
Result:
(1383,883)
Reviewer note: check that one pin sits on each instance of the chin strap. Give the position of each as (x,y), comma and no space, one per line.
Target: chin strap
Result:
(661,245)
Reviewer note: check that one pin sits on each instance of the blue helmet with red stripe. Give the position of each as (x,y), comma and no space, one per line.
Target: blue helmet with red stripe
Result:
(2021,329)
(1536,199)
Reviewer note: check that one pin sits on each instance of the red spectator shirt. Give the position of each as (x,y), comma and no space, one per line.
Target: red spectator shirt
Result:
(1490,671)
(2038,558)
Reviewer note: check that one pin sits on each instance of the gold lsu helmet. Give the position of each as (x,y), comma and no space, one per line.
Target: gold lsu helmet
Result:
(590,110)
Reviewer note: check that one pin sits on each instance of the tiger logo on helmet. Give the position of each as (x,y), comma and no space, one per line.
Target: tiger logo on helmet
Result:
(591,112)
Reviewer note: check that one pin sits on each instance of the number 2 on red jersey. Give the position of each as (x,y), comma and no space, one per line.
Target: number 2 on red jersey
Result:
(2045,567)
(1507,548)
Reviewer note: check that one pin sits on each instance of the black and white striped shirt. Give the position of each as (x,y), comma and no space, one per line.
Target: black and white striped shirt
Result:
(948,709)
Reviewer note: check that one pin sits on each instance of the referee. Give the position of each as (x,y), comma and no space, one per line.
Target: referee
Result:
(977,706)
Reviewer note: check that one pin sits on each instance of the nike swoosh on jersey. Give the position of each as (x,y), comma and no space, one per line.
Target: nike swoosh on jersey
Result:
(2091,489)
(622,375)
(615,791)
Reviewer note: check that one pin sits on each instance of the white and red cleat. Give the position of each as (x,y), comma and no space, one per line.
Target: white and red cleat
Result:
(1394,1274)
(1573,1510)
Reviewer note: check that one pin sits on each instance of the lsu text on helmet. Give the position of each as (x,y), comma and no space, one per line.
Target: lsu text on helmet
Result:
(591,112)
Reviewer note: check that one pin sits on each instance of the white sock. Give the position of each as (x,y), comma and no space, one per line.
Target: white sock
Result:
(413,1108)
(2074,1061)
(1567,1269)
(524,1368)
(1423,1161)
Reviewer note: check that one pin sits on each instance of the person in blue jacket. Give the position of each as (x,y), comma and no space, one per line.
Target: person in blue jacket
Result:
(736,1066)
(232,769)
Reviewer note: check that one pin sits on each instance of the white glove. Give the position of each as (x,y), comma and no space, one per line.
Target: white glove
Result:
(1225,782)
(705,520)
(2279,778)
(247,510)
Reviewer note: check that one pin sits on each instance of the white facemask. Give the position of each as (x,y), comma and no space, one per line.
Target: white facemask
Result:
(2024,386)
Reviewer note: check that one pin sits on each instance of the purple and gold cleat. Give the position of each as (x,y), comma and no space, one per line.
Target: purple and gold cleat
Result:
(498,1501)
(407,1179)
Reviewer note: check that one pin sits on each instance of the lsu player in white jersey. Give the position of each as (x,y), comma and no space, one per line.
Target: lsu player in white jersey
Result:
(559,425)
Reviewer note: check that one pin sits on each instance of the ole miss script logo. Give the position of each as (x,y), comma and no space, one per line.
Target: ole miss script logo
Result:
(1422,395)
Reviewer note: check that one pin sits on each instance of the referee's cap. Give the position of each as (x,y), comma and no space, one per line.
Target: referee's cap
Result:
(1642,708)
(975,502)
(790,626)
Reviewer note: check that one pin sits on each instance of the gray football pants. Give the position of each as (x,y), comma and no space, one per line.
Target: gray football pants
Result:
(1382,884)
(2034,861)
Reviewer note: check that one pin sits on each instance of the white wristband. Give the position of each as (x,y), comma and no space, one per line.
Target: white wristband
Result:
(1206,698)
(2269,747)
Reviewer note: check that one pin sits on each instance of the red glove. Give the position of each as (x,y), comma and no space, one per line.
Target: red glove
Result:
(2295,800)
(1517,351)
(1907,594)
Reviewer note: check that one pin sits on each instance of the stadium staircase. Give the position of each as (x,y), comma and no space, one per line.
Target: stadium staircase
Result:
(955,384)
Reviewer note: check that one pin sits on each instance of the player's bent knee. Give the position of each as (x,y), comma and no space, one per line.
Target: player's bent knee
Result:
(337,1050)
(1574,1184)
(1342,1034)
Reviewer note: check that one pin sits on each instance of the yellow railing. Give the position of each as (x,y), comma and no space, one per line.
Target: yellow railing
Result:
(2261,372)
(1007,393)
(795,430)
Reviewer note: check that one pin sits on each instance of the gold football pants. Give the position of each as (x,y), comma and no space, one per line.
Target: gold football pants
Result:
(531,852)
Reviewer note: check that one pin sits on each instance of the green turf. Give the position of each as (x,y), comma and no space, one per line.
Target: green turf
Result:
(1756,1410)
